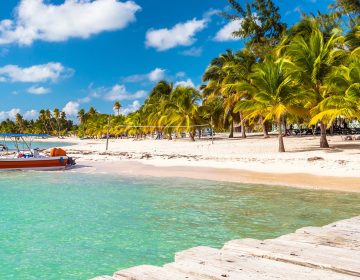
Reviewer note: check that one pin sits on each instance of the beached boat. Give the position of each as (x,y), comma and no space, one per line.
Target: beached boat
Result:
(31,159)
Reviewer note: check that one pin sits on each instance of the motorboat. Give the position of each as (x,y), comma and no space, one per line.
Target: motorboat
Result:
(30,158)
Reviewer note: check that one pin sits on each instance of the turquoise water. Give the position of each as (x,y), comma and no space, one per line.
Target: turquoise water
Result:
(77,226)
(40,145)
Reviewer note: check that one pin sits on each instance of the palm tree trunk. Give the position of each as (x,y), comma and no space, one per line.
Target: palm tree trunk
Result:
(243,134)
(323,140)
(281,140)
(58,126)
(231,130)
(264,128)
(192,136)
(285,125)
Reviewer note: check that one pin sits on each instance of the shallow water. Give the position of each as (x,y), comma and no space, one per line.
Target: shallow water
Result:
(40,145)
(77,226)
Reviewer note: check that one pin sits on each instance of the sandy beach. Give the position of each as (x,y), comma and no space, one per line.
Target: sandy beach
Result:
(250,160)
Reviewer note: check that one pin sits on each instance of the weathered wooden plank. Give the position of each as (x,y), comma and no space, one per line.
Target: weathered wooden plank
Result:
(352,224)
(331,252)
(326,237)
(149,272)
(218,264)
(196,251)
(323,257)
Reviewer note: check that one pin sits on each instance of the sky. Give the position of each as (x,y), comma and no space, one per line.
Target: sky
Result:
(73,54)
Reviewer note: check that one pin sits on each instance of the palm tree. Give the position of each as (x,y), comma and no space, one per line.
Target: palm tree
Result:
(353,39)
(19,122)
(92,112)
(81,116)
(238,71)
(43,118)
(57,117)
(343,87)
(313,58)
(275,93)
(134,123)
(214,76)
(349,8)
(48,117)
(117,107)
(183,110)
(153,111)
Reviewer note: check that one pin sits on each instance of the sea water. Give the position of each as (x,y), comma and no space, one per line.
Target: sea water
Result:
(65,225)
(41,145)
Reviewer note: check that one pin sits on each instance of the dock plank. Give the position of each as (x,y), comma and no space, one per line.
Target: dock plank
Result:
(331,252)
(352,224)
(222,264)
(150,272)
(327,237)
(340,260)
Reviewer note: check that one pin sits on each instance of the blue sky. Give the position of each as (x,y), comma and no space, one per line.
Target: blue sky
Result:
(74,54)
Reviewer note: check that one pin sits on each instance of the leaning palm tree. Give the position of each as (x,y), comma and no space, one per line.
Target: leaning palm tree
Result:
(313,58)
(117,107)
(274,92)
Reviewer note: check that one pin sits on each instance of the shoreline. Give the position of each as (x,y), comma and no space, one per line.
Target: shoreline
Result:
(296,180)
(253,160)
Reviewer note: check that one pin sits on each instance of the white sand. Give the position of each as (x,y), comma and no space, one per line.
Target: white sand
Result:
(253,154)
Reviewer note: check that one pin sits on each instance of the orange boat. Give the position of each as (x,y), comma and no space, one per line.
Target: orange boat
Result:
(31,159)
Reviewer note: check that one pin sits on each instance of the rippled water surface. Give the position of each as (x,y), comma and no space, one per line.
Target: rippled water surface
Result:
(77,226)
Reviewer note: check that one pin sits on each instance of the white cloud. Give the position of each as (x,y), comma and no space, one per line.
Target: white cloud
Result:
(154,76)
(37,20)
(196,52)
(157,75)
(187,83)
(180,74)
(38,90)
(226,33)
(130,108)
(85,99)
(9,114)
(31,115)
(51,71)
(119,92)
(182,34)
(71,108)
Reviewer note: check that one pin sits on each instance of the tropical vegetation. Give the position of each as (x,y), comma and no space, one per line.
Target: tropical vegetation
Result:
(306,74)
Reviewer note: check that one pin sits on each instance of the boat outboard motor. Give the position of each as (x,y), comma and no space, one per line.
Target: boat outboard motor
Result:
(36,152)
(71,161)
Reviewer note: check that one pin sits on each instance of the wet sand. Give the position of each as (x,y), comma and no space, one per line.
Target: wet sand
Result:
(298,180)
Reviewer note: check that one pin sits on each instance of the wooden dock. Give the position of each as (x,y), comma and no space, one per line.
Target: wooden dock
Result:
(331,252)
